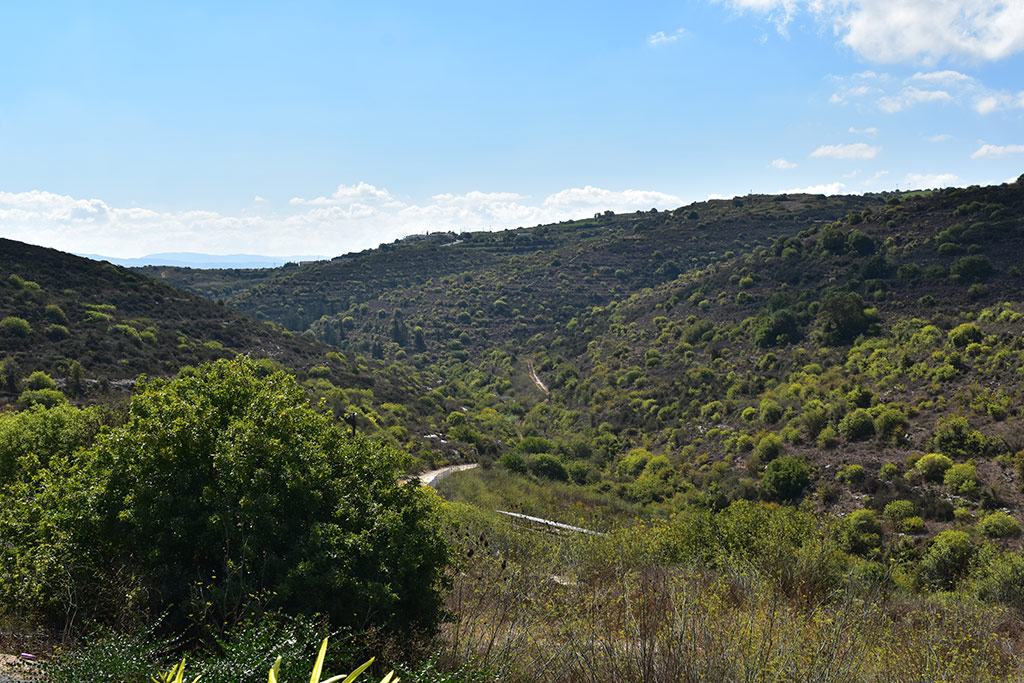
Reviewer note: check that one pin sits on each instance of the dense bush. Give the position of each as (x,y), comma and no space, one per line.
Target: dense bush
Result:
(961,478)
(947,560)
(933,466)
(548,466)
(842,317)
(954,437)
(998,525)
(971,268)
(857,425)
(785,478)
(227,488)
(768,448)
(14,326)
(859,533)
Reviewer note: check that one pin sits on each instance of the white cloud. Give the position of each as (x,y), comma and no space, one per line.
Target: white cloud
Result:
(830,188)
(857,150)
(893,96)
(997,151)
(350,194)
(941,137)
(916,31)
(910,96)
(926,181)
(354,217)
(660,38)
(594,198)
(863,131)
(782,164)
(258,199)
(947,76)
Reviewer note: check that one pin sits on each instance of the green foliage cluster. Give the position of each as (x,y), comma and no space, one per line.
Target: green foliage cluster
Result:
(221,494)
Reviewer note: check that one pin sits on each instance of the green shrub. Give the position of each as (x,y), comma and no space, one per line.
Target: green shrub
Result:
(828,437)
(55,314)
(962,478)
(898,510)
(890,424)
(47,398)
(633,464)
(513,462)
(57,332)
(535,444)
(962,335)
(971,268)
(14,326)
(933,466)
(851,474)
(947,560)
(888,471)
(1001,580)
(998,525)
(785,478)
(768,448)
(842,317)
(954,437)
(548,466)
(859,533)
(126,331)
(771,411)
(40,380)
(912,525)
(227,470)
(857,425)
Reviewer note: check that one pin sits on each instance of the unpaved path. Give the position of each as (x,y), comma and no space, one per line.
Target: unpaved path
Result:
(536,379)
(434,476)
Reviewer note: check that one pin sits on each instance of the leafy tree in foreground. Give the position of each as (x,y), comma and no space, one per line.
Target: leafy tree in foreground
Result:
(228,489)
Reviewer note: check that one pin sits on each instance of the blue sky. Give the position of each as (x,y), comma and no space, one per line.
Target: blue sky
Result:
(322,128)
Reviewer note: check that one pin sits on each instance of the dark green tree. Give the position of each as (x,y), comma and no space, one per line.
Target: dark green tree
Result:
(228,488)
(842,318)
(785,478)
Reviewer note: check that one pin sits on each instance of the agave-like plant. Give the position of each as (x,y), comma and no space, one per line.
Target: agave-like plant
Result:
(318,668)
(175,675)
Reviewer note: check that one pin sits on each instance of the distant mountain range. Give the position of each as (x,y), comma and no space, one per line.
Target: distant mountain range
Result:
(193,260)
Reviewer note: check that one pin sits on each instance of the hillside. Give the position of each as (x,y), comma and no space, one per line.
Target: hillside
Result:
(117,324)
(432,279)
(682,352)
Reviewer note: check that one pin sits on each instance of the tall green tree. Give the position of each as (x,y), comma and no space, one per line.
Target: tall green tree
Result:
(227,488)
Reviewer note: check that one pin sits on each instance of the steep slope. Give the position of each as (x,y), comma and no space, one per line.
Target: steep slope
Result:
(507,280)
(119,324)
(858,346)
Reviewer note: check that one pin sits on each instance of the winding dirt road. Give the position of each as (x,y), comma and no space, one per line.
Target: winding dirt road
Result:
(536,379)
(431,477)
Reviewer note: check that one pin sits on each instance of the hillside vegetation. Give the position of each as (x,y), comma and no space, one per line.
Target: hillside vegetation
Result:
(796,419)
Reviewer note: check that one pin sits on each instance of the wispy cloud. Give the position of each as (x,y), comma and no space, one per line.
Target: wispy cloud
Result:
(914,31)
(661,38)
(863,131)
(997,151)
(924,87)
(827,188)
(941,137)
(782,164)
(856,150)
(925,181)
(910,96)
(351,218)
